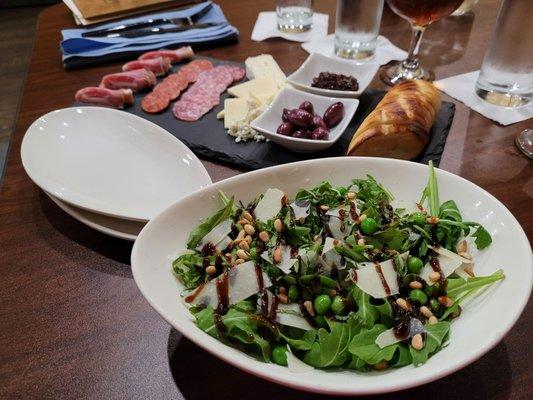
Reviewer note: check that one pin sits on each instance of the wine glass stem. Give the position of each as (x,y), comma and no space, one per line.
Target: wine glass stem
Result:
(411,62)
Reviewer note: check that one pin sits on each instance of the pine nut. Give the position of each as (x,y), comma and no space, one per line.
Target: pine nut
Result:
(466,255)
(243,221)
(361,242)
(309,307)
(246,215)
(417,342)
(432,220)
(242,254)
(445,301)
(240,236)
(239,261)
(351,195)
(324,207)
(277,255)
(403,304)
(243,244)
(469,269)
(283,298)
(461,246)
(249,229)
(433,320)
(264,236)
(333,293)
(434,276)
(361,218)
(426,312)
(278,225)
(248,239)
(380,366)
(210,270)
(415,285)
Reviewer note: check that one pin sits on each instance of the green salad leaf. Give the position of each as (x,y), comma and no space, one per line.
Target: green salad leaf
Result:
(367,314)
(189,269)
(435,335)
(305,342)
(207,225)
(364,347)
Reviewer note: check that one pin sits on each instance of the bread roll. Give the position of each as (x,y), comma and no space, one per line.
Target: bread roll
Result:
(399,126)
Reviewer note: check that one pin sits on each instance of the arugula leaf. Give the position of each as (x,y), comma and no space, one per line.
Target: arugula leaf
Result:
(303,343)
(402,357)
(324,193)
(367,314)
(435,335)
(392,238)
(370,189)
(224,199)
(364,347)
(357,364)
(331,348)
(483,238)
(449,210)
(298,235)
(189,270)
(207,225)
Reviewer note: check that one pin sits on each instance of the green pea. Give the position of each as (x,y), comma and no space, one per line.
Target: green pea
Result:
(369,226)
(434,305)
(253,253)
(322,304)
(418,218)
(321,321)
(291,280)
(418,296)
(337,305)
(414,265)
(239,227)
(293,293)
(279,355)
(326,281)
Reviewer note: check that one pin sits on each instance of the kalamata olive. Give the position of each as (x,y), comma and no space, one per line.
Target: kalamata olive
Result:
(286,129)
(307,106)
(285,115)
(301,134)
(320,134)
(300,118)
(333,114)
(318,122)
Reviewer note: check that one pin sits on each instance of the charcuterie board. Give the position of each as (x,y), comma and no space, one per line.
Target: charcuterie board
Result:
(208,138)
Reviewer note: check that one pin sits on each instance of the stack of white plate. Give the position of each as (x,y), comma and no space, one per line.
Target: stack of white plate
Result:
(111,170)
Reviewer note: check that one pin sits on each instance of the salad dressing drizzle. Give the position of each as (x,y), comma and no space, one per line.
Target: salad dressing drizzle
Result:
(386,286)
(342,217)
(443,282)
(223,293)
(353,211)
(190,298)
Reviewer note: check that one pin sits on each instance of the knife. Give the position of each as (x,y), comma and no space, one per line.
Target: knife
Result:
(134,33)
(184,21)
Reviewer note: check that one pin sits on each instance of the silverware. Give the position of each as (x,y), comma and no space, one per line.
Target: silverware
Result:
(524,141)
(134,33)
(112,32)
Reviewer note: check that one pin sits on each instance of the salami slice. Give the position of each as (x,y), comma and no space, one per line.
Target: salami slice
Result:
(177,80)
(187,110)
(165,89)
(238,73)
(154,102)
(195,68)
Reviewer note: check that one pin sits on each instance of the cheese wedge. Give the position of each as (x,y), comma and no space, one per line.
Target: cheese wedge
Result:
(235,110)
(258,86)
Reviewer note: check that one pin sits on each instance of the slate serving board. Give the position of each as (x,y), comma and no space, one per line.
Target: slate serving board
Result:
(208,138)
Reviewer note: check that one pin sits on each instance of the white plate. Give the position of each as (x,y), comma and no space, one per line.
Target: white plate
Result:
(482,325)
(268,121)
(110,162)
(116,227)
(316,63)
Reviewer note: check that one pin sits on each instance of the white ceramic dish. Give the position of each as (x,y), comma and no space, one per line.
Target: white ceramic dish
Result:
(120,228)
(484,322)
(110,162)
(268,122)
(316,63)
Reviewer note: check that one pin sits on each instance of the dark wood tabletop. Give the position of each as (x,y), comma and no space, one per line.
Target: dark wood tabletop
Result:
(73,323)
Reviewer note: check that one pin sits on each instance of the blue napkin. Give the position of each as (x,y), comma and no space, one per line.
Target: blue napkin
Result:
(74,45)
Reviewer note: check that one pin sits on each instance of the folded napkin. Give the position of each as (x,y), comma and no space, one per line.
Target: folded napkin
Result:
(77,50)
(462,88)
(266,27)
(385,50)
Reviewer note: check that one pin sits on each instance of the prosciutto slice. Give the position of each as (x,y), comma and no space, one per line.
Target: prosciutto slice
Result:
(159,66)
(99,96)
(175,56)
(135,80)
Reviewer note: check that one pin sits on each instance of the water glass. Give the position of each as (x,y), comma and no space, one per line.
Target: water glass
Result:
(506,76)
(294,15)
(356,27)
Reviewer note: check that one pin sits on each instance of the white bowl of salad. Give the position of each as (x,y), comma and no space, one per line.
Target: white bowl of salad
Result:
(343,276)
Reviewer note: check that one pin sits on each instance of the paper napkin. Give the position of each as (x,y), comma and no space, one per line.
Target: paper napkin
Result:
(266,27)
(462,88)
(385,50)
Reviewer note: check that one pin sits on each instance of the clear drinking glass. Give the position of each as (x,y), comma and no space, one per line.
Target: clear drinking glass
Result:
(356,27)
(465,7)
(420,13)
(294,15)
(506,76)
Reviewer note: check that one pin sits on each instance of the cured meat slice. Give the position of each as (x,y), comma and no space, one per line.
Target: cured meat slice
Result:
(237,72)
(100,96)
(154,102)
(159,66)
(192,70)
(135,80)
(177,80)
(175,56)
(187,111)
(165,89)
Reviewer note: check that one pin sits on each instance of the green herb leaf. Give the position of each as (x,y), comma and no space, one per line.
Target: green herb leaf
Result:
(364,347)
(304,342)
(367,314)
(457,287)
(189,270)
(392,238)
(483,238)
(435,335)
(449,210)
(206,226)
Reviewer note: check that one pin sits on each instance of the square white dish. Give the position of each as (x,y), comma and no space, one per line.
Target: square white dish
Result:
(317,63)
(268,122)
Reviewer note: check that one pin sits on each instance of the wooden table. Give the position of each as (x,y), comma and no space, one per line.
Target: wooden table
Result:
(74,325)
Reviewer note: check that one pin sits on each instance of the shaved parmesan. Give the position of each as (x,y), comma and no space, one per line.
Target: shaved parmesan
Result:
(336,212)
(308,258)
(369,280)
(290,315)
(449,262)
(335,226)
(295,364)
(286,262)
(388,337)
(445,252)
(269,206)
(216,235)
(242,284)
(300,210)
(330,257)
(409,207)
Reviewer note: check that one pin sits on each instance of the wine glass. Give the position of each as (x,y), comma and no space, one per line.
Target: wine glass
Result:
(419,13)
